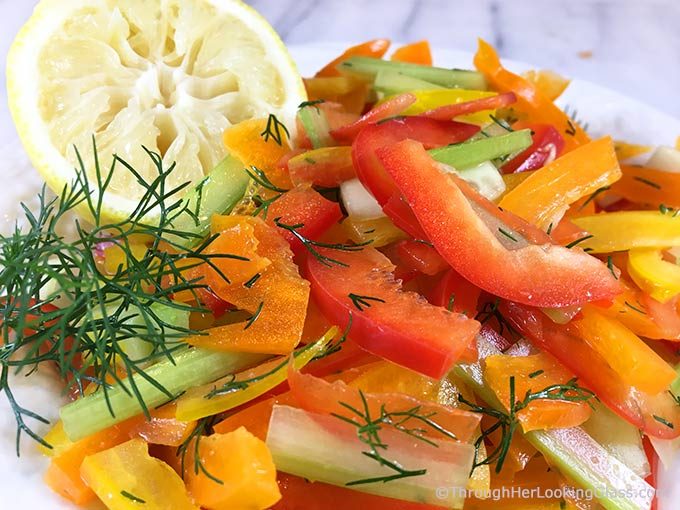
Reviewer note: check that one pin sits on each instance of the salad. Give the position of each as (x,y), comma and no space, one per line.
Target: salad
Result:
(427,288)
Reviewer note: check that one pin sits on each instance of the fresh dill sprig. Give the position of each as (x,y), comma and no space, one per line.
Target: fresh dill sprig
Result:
(492,311)
(593,196)
(251,320)
(132,497)
(363,302)
(368,431)
(314,104)
(262,203)
(648,182)
(98,313)
(578,241)
(192,445)
(312,245)
(273,130)
(508,422)
(675,397)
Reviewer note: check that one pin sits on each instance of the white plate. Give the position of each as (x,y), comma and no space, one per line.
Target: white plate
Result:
(606,112)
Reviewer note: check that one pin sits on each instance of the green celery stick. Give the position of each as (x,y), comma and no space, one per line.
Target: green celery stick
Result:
(449,78)
(316,126)
(189,367)
(472,153)
(393,82)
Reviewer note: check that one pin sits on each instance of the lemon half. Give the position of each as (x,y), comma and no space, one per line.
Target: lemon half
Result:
(169,75)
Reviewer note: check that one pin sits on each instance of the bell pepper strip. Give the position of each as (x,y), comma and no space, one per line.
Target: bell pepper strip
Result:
(277,300)
(244,468)
(415,53)
(389,108)
(456,294)
(403,218)
(566,232)
(348,91)
(386,321)
(449,78)
(375,231)
(298,493)
(254,417)
(126,475)
(665,315)
(431,133)
(624,230)
(549,83)
(656,276)
(531,374)
(550,190)
(432,98)
(245,142)
(530,99)
(541,275)
(632,359)
(421,257)
(308,209)
(648,186)
(547,145)
(319,396)
(474,152)
(451,111)
(327,167)
(233,391)
(375,48)
(656,415)
(389,83)
(328,449)
(385,377)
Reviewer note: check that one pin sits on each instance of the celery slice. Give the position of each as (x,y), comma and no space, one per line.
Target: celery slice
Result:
(217,193)
(393,82)
(471,153)
(485,178)
(573,451)
(449,78)
(198,402)
(189,367)
(327,449)
(316,126)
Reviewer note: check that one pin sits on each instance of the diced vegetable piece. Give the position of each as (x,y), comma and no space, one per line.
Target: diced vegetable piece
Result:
(471,153)
(233,391)
(666,159)
(316,126)
(541,275)
(374,48)
(327,167)
(277,300)
(126,477)
(389,108)
(618,437)
(393,82)
(244,467)
(620,231)
(386,321)
(576,454)
(485,178)
(327,449)
(548,192)
(531,374)
(358,202)
(217,193)
(415,53)
(658,277)
(529,98)
(451,78)
(188,368)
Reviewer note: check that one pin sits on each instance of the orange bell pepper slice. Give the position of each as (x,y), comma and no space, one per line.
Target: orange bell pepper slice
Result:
(634,361)
(374,48)
(277,300)
(243,465)
(530,99)
(326,167)
(648,186)
(349,91)
(549,83)
(415,53)
(551,189)
(534,373)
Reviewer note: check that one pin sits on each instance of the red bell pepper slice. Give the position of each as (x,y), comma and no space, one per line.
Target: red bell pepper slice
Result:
(451,111)
(547,145)
(306,207)
(390,108)
(431,133)
(402,216)
(396,325)
(421,257)
(656,415)
(496,259)
(456,294)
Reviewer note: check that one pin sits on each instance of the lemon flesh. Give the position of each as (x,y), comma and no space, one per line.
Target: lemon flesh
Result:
(167,75)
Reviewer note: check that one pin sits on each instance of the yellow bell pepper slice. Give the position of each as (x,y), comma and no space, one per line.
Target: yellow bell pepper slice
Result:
(551,189)
(203,401)
(625,230)
(126,477)
(243,465)
(656,276)
(376,231)
(626,353)
(434,98)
